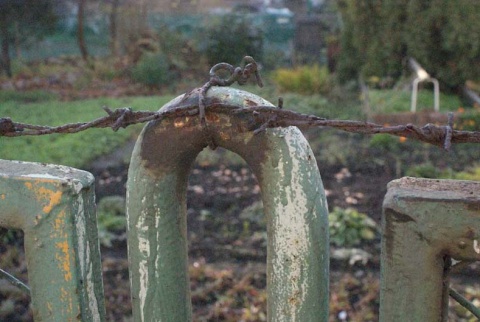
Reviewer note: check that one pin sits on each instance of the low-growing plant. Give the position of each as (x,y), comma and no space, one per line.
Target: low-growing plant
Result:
(303,79)
(348,227)
(111,219)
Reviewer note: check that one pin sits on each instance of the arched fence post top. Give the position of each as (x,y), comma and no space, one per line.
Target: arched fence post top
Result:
(292,193)
(167,142)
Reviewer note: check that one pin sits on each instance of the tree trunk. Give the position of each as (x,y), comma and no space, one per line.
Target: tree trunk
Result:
(80,34)
(113,29)
(143,16)
(18,50)
(5,59)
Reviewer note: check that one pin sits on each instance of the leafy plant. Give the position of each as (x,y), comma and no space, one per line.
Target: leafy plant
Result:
(304,79)
(348,227)
(378,35)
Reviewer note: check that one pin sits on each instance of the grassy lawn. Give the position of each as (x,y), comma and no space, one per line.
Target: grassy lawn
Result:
(78,150)
(391,101)
(68,149)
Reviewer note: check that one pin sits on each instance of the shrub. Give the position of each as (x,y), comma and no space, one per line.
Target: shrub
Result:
(304,80)
(231,38)
(152,70)
(349,227)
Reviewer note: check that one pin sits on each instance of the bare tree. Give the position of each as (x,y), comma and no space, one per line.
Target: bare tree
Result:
(114,44)
(5,60)
(80,34)
(21,20)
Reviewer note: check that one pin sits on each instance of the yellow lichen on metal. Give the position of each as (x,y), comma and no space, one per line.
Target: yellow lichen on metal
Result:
(44,195)
(64,259)
(65,295)
(59,225)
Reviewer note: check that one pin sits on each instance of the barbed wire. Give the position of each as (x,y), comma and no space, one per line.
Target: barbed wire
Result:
(265,116)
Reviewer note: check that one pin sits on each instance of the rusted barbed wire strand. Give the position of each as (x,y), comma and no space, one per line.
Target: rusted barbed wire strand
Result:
(265,116)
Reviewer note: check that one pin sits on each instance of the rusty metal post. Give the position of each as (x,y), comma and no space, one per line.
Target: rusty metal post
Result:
(426,222)
(55,207)
(293,196)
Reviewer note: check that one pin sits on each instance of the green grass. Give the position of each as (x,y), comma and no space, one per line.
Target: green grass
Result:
(391,101)
(75,150)
(316,104)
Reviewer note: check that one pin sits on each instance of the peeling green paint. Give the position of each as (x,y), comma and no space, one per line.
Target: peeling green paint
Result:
(425,222)
(293,196)
(55,207)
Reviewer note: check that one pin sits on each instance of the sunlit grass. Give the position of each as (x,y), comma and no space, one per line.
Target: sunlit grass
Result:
(69,149)
(391,101)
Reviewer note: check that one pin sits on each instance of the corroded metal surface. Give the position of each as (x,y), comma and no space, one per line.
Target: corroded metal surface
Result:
(292,193)
(425,223)
(55,207)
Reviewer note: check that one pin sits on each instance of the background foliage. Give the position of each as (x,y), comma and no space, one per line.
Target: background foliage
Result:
(442,35)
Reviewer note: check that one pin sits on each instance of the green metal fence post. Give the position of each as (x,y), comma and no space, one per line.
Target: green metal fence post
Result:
(55,207)
(425,223)
(293,197)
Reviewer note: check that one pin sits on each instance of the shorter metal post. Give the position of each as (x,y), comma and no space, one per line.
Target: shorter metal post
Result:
(436,93)
(55,207)
(425,223)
